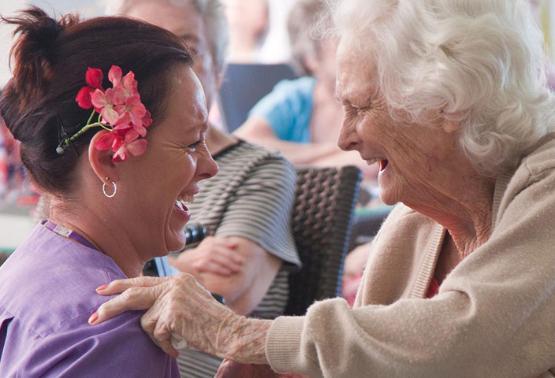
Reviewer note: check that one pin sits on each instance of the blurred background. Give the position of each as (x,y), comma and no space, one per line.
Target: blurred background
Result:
(275,48)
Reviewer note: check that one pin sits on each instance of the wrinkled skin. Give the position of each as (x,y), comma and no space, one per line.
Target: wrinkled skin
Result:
(180,309)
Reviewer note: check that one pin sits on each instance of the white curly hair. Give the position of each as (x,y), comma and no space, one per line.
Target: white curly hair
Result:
(479,62)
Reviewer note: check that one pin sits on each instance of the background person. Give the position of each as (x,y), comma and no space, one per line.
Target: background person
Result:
(450,97)
(247,206)
(106,216)
(301,118)
(249,22)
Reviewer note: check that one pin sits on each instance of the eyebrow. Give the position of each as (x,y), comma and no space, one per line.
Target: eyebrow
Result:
(188,37)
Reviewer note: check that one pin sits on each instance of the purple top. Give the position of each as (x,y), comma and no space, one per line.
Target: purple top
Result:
(47,293)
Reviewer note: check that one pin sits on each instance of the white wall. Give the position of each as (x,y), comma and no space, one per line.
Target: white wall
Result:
(7,7)
(86,8)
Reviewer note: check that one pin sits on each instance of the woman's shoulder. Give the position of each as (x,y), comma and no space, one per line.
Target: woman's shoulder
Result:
(540,160)
(49,283)
(537,166)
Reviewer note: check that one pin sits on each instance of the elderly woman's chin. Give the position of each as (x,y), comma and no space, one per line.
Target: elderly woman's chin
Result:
(388,183)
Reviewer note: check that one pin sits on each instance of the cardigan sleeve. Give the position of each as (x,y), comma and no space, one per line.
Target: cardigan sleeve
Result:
(493,316)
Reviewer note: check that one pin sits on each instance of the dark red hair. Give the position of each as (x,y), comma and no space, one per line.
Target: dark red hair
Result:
(50,59)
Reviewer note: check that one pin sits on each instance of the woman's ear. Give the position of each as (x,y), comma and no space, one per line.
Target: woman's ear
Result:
(101,160)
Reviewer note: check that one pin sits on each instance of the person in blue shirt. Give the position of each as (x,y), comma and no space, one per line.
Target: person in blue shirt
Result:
(303,112)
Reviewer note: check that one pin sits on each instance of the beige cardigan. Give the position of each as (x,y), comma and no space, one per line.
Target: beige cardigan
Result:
(494,315)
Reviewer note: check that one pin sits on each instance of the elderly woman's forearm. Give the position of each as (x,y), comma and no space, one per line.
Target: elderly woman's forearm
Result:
(246,343)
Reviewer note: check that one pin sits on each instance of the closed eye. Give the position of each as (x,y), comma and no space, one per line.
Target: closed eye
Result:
(193,147)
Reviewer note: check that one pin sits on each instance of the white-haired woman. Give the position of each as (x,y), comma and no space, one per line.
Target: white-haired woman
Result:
(450,98)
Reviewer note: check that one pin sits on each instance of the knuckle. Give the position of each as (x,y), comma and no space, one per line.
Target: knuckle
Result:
(131,293)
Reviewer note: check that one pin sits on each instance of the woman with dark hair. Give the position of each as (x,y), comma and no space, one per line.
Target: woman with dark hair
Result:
(99,122)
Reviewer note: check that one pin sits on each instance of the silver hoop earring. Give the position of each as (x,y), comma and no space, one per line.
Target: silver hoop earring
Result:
(114,190)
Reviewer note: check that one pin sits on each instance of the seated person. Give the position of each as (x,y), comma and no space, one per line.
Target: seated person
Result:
(250,251)
(115,139)
(301,118)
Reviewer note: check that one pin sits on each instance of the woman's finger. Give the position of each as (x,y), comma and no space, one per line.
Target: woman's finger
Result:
(119,286)
(162,337)
(134,298)
(226,258)
(231,254)
(212,267)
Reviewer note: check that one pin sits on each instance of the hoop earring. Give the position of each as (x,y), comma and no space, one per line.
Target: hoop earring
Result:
(114,190)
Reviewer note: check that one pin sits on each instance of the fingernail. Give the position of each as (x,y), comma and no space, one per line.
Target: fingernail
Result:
(101,287)
(93,318)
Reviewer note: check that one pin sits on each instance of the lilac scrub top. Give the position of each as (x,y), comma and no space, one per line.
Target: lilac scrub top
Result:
(47,293)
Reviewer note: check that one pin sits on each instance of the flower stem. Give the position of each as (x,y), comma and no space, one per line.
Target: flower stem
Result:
(87,127)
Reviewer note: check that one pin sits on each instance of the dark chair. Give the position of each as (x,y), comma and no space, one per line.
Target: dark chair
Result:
(3,257)
(322,219)
(244,85)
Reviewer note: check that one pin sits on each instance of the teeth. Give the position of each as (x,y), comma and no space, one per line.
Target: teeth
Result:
(183,201)
(188,198)
(372,161)
(180,205)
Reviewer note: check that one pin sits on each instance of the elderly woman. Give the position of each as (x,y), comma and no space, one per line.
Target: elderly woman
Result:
(247,206)
(99,125)
(450,98)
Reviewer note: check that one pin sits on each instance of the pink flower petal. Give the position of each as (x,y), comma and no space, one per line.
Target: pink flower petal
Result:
(147,119)
(83,98)
(114,75)
(105,141)
(131,136)
(120,154)
(99,99)
(109,115)
(140,130)
(129,83)
(137,147)
(94,77)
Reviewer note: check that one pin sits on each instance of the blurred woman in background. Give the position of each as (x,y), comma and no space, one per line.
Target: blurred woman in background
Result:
(301,118)
(246,208)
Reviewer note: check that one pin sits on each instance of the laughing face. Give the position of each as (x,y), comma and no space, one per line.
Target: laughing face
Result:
(158,184)
(413,159)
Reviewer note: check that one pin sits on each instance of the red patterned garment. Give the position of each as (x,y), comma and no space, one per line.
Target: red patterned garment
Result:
(15,185)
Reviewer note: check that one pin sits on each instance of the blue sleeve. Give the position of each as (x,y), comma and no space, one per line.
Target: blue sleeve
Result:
(288,109)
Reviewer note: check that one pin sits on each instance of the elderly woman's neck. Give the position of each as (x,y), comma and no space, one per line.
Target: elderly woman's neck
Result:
(107,236)
(466,212)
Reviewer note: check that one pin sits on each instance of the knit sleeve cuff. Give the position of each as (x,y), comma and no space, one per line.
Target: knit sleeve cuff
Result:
(283,343)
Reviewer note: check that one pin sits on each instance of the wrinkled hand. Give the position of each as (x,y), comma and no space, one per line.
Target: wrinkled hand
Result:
(213,255)
(180,308)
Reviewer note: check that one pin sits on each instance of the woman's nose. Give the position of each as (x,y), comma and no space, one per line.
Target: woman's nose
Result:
(347,137)
(206,166)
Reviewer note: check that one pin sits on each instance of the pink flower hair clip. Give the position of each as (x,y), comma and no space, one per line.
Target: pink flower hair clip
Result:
(118,110)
